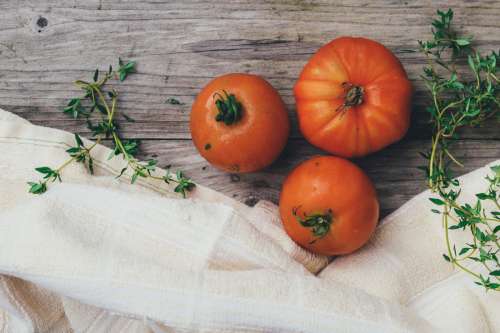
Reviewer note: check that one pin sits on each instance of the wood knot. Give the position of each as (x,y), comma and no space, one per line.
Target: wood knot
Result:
(42,22)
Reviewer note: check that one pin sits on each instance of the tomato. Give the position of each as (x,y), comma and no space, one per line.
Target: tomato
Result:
(353,97)
(239,123)
(329,206)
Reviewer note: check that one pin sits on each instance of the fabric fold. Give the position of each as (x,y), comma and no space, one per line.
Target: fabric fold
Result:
(95,254)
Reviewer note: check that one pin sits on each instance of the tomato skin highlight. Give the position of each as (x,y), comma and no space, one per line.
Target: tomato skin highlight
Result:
(326,183)
(250,143)
(378,117)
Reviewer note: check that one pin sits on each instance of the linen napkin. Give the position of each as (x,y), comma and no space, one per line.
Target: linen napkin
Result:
(95,254)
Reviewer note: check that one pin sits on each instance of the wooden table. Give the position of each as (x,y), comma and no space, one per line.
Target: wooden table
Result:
(180,46)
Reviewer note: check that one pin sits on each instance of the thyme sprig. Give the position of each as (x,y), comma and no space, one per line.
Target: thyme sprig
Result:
(96,97)
(462,97)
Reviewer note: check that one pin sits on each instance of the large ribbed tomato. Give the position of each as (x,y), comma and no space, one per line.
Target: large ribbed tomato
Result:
(353,97)
(239,123)
(329,206)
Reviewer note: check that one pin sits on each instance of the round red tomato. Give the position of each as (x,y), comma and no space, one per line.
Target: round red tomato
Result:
(329,206)
(353,97)
(239,123)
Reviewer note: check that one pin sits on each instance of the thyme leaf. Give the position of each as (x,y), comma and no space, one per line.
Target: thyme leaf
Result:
(173,101)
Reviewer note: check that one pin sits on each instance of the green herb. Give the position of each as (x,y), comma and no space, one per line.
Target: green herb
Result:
(124,70)
(318,222)
(105,101)
(75,108)
(81,154)
(173,101)
(462,98)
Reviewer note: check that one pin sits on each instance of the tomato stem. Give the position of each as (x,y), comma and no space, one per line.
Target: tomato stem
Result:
(319,223)
(230,109)
(353,96)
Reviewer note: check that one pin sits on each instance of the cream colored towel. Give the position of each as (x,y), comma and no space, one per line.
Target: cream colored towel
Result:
(95,254)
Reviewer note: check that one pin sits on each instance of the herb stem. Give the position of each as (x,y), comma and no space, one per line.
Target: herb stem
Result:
(456,103)
(113,108)
(104,102)
(435,141)
(104,129)
(498,206)
(453,158)
(448,247)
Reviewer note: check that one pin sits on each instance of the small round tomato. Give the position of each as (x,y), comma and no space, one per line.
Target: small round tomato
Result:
(353,97)
(239,123)
(329,206)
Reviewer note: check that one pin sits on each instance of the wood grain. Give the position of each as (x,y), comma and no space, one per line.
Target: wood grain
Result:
(180,46)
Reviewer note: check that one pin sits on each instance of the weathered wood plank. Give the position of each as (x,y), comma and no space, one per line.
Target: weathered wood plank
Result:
(393,170)
(180,46)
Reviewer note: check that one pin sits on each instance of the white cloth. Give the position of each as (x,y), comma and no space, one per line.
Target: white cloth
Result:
(95,254)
